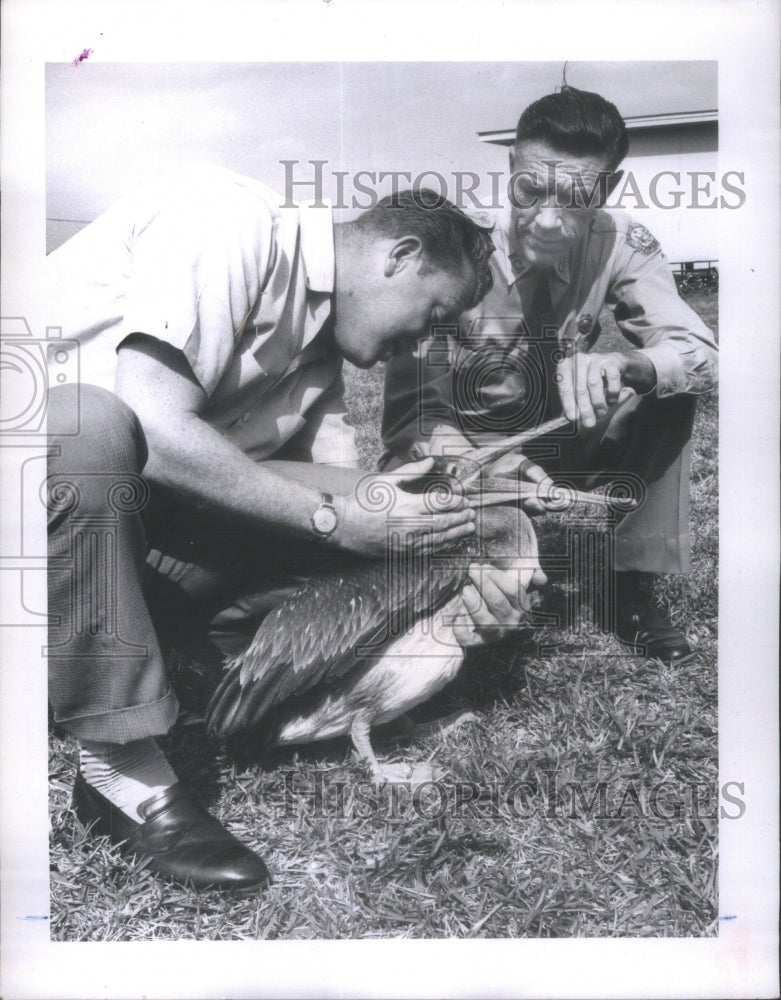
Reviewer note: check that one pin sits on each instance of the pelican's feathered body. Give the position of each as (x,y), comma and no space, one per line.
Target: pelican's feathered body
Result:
(360,646)
(379,690)
(331,631)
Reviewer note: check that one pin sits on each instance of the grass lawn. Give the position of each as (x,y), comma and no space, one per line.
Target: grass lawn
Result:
(581,803)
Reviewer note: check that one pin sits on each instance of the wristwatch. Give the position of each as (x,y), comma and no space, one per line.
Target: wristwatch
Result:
(324,519)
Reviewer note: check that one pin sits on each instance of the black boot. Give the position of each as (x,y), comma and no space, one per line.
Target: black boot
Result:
(640,624)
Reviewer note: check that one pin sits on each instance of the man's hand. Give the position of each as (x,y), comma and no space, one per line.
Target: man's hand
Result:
(495,602)
(590,383)
(448,441)
(443,440)
(424,522)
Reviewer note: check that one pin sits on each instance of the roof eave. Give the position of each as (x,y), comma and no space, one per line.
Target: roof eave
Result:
(676,119)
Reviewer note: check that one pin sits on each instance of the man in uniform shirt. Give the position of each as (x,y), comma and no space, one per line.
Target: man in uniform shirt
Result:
(530,351)
(211,325)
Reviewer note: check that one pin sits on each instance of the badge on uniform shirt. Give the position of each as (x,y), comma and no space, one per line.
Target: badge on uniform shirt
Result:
(585,324)
(640,239)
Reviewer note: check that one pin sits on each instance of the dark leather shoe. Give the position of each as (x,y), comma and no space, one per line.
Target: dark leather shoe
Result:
(179,837)
(640,624)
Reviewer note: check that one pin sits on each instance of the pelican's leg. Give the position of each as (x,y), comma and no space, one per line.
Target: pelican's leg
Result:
(359,734)
(397,774)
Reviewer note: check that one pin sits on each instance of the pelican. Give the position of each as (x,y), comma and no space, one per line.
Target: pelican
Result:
(359,647)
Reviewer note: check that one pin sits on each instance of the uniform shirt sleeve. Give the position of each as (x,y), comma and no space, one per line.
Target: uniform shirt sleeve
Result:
(653,317)
(326,438)
(198,265)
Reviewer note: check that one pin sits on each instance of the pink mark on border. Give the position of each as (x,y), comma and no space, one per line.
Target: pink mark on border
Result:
(85,54)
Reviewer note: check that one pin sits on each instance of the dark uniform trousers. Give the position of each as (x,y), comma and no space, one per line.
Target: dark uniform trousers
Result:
(133,572)
(643,446)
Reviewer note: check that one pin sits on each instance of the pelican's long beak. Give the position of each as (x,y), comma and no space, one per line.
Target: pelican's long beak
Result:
(483,457)
(486,492)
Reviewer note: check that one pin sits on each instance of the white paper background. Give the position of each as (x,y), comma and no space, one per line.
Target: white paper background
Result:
(744,38)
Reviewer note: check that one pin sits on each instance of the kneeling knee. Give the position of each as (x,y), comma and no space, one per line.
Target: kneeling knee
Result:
(94,429)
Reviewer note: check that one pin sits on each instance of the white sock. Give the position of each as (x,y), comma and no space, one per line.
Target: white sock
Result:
(126,774)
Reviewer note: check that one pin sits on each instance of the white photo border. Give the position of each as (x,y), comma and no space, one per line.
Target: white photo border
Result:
(744,38)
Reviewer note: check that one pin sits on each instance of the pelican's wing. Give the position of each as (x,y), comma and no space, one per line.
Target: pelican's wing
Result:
(313,635)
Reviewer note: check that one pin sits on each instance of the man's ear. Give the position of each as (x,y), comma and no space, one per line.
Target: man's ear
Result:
(405,251)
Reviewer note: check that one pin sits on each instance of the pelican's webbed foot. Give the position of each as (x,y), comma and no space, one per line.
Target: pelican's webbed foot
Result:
(405,774)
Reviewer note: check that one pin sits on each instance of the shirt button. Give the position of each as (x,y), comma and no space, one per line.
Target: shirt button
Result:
(245,418)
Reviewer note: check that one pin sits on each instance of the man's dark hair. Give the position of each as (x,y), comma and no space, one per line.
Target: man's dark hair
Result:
(576,122)
(448,236)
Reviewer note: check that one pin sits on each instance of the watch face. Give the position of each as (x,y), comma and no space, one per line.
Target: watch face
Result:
(324,520)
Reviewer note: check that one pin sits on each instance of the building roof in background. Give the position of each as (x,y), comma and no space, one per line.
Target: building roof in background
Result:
(634,123)
(60,230)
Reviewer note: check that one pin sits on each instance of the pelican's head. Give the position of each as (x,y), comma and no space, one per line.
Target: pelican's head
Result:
(505,535)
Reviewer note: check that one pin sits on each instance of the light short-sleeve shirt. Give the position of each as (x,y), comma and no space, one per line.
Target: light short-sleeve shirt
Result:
(209,262)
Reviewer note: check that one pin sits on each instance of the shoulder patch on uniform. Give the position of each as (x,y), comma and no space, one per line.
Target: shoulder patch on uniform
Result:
(639,238)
